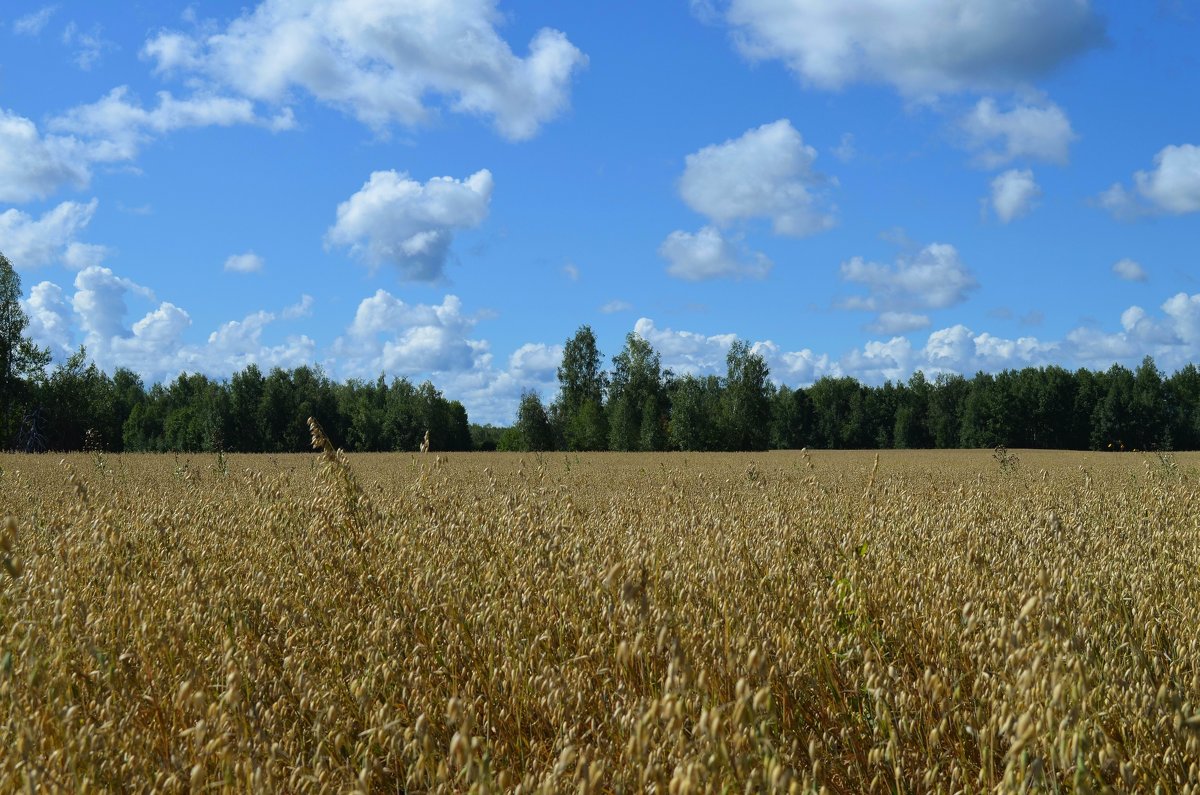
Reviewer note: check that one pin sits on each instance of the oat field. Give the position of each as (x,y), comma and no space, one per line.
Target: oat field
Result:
(833,622)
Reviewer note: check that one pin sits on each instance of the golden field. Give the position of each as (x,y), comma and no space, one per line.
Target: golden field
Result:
(600,622)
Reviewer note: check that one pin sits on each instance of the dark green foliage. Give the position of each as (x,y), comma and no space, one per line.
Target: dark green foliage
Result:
(637,406)
(22,364)
(578,413)
(695,414)
(747,400)
(533,425)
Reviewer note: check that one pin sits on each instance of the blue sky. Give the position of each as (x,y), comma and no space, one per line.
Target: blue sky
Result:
(447,189)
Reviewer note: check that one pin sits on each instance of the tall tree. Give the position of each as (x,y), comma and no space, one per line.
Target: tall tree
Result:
(580,404)
(695,414)
(747,399)
(21,362)
(635,390)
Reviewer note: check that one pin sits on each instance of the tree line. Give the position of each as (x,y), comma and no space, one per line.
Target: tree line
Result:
(638,405)
(635,404)
(77,406)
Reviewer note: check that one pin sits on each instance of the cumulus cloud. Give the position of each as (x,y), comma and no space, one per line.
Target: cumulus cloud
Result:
(1013,194)
(390,335)
(153,343)
(1172,187)
(397,220)
(1025,132)
(685,351)
(959,349)
(536,361)
(238,344)
(1130,270)
(32,165)
(50,322)
(245,263)
(707,254)
(935,278)
(766,173)
(920,49)
(880,360)
(34,22)
(31,242)
(382,62)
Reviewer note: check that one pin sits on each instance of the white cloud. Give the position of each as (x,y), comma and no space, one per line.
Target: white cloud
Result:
(1130,270)
(50,318)
(536,361)
(78,256)
(34,22)
(617,305)
(1026,132)
(394,219)
(958,349)
(388,334)
(383,61)
(238,344)
(766,173)
(922,49)
(707,254)
(33,166)
(686,351)
(154,344)
(1172,187)
(245,263)
(935,279)
(879,360)
(797,367)
(571,271)
(117,125)
(1013,194)
(33,243)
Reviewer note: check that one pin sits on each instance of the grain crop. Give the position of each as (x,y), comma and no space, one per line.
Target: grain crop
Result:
(790,622)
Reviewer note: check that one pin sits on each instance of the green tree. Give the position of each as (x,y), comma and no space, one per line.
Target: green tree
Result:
(1113,421)
(245,399)
(635,388)
(791,419)
(579,409)
(1148,405)
(695,414)
(1183,400)
(22,364)
(747,399)
(946,401)
(533,424)
(837,412)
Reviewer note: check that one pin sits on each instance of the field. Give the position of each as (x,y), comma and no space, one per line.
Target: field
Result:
(935,621)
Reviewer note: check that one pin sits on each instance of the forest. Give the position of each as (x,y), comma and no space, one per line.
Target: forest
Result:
(634,405)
